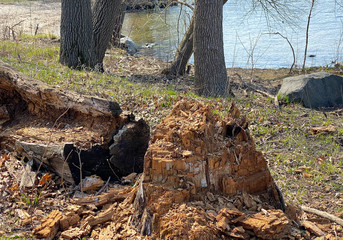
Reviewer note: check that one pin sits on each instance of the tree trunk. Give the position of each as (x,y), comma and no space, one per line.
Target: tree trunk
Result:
(76,49)
(210,71)
(105,14)
(183,53)
(115,40)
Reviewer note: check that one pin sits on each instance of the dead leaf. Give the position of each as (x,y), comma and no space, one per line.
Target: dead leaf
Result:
(13,188)
(4,158)
(307,175)
(45,179)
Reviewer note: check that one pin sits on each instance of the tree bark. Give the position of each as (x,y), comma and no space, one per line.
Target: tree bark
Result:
(105,14)
(210,71)
(115,39)
(183,53)
(70,134)
(76,49)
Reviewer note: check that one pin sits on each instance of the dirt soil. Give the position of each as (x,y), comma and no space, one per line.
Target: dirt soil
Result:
(31,17)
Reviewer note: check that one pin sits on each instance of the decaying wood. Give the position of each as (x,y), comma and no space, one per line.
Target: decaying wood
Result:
(313,228)
(195,150)
(102,217)
(171,200)
(254,88)
(49,226)
(48,101)
(66,132)
(323,214)
(194,154)
(273,225)
(323,130)
(114,195)
(69,219)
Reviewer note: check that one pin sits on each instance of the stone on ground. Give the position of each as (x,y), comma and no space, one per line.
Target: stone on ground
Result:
(314,90)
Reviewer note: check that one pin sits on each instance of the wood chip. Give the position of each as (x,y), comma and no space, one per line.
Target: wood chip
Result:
(313,228)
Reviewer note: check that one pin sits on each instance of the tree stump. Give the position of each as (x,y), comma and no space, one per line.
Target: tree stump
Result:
(67,132)
(195,155)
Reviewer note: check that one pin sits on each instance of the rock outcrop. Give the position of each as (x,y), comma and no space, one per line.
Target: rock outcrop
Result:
(313,90)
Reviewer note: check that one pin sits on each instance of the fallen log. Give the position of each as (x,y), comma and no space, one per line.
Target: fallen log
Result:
(68,133)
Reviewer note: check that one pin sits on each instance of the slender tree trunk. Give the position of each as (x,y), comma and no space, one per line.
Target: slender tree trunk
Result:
(183,53)
(76,48)
(105,13)
(307,29)
(210,71)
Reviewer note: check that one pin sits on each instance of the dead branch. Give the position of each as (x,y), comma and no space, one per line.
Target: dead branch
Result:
(114,195)
(291,46)
(103,187)
(254,88)
(323,214)
(307,29)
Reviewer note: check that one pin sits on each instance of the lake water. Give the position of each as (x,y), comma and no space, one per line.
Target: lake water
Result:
(247,34)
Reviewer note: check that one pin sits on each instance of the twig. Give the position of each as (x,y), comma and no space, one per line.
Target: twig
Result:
(183,3)
(307,29)
(80,163)
(62,182)
(36,31)
(323,214)
(18,23)
(258,90)
(103,187)
(49,141)
(291,46)
(113,170)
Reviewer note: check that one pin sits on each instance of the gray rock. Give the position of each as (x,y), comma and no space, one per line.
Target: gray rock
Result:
(28,177)
(129,45)
(314,90)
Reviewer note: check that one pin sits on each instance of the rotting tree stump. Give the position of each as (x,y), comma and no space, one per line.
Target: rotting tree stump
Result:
(194,155)
(61,129)
(203,179)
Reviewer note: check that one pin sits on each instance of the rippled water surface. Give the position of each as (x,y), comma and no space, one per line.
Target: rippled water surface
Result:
(247,35)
